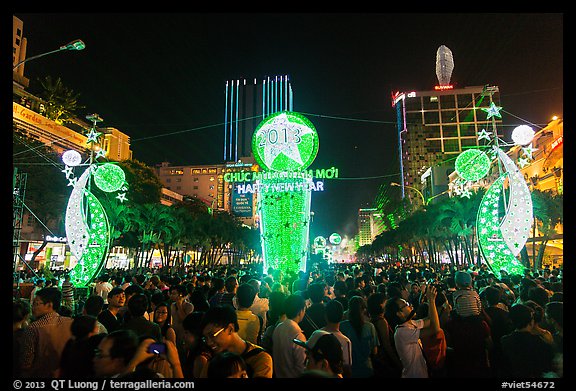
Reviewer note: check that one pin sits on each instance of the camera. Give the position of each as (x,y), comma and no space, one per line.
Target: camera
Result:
(157,348)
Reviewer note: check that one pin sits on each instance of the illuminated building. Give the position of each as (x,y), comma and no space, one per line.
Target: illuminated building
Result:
(435,126)
(247,104)
(369,225)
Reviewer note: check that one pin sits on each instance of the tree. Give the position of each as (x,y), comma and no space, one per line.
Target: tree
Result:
(548,212)
(60,101)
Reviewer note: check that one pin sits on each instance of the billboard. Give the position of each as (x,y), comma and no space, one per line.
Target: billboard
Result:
(242,204)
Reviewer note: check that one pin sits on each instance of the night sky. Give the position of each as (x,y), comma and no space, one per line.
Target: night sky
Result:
(160,79)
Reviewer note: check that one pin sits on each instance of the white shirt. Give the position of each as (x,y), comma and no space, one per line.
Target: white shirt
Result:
(102,289)
(260,307)
(346,345)
(289,359)
(409,348)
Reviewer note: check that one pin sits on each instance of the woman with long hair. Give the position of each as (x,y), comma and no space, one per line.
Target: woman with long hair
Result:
(363,336)
(162,318)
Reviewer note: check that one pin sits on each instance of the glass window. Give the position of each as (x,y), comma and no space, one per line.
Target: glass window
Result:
(447,102)
(468,142)
(431,117)
(448,116)
(467,130)
(432,131)
(466,115)
(451,145)
(449,131)
(430,103)
(464,101)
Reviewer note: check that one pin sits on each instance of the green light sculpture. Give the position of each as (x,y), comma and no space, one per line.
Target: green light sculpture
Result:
(285,142)
(503,222)
(86,223)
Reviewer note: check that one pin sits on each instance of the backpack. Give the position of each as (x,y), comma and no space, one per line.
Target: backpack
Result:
(247,355)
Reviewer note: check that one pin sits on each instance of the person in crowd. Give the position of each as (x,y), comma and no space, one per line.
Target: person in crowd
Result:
(103,287)
(400,316)
(93,307)
(526,354)
(260,305)
(20,320)
(44,339)
(220,332)
(180,308)
(197,353)
(162,318)
(433,338)
(131,290)
(198,299)
(155,299)
(275,315)
(110,317)
(363,336)
(164,364)
(334,316)
(538,328)
(216,291)
(315,316)
(500,323)
(138,323)
(114,352)
(554,313)
(289,359)
(468,332)
(38,284)
(78,353)
(415,294)
(231,286)
(340,291)
(68,291)
(323,353)
(466,299)
(251,326)
(386,361)
(227,365)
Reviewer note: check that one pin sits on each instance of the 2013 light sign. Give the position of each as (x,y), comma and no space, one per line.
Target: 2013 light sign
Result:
(285,142)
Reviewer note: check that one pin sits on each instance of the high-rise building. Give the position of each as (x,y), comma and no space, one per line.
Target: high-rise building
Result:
(19,44)
(434,127)
(248,102)
(369,225)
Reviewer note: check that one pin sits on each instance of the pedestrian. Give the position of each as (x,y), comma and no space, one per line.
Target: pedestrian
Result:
(323,353)
(290,359)
(68,291)
(44,339)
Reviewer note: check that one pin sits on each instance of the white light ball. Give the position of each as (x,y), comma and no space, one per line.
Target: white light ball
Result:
(72,158)
(522,135)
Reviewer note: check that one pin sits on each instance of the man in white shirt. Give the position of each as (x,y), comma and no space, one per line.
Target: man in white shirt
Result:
(103,287)
(407,333)
(289,358)
(260,305)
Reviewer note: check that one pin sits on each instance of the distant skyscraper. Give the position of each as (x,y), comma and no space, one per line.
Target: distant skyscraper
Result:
(248,103)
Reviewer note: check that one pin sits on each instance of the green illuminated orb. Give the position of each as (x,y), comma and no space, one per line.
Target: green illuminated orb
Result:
(109,177)
(472,164)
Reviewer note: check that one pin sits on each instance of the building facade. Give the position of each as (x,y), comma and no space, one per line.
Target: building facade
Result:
(247,103)
(434,127)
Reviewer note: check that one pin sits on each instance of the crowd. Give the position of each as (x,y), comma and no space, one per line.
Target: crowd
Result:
(341,321)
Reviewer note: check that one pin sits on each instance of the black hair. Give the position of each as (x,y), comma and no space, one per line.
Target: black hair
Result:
(375,303)
(334,311)
(316,292)
(293,305)
(555,311)
(20,309)
(138,304)
(82,325)
(225,364)
(221,315)
(93,305)
(521,315)
(124,344)
(51,295)
(245,295)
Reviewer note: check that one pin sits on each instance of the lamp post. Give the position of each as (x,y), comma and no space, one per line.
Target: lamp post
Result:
(77,44)
(424,202)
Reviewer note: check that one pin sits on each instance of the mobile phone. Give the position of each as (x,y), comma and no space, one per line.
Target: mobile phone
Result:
(157,348)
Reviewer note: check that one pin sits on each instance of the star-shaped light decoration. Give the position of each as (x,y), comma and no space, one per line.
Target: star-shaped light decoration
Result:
(285,141)
(484,134)
(72,181)
(121,197)
(101,153)
(528,151)
(522,162)
(93,136)
(493,111)
(465,193)
(68,171)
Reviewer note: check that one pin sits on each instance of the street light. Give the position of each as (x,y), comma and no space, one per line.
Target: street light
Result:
(424,203)
(74,45)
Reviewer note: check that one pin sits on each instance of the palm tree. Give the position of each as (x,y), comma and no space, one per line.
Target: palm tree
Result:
(61,102)
(548,212)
